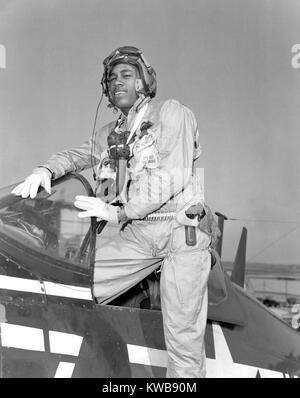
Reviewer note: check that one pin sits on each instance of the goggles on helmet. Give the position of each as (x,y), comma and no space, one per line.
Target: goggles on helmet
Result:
(133,56)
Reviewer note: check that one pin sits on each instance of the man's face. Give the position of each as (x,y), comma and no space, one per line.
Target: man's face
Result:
(122,86)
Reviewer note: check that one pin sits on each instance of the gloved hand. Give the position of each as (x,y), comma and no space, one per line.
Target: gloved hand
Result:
(39,177)
(95,207)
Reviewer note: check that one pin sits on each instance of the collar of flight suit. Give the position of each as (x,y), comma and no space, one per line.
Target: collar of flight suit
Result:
(136,107)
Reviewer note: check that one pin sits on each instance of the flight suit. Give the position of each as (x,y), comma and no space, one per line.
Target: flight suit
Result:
(160,180)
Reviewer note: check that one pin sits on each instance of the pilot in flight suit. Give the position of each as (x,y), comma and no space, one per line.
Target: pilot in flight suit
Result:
(158,183)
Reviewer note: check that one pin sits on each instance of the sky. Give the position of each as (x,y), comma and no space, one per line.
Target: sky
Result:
(230,61)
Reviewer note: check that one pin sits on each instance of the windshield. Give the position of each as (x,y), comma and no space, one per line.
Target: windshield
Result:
(48,223)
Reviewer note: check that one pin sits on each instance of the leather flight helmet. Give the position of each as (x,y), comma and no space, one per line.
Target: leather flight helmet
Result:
(133,56)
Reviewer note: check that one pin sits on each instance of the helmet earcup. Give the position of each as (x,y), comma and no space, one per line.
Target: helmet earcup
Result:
(139,87)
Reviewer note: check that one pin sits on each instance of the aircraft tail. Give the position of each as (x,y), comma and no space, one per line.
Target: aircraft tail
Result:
(221,219)
(239,265)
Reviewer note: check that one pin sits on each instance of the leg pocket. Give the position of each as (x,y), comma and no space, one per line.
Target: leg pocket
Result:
(184,284)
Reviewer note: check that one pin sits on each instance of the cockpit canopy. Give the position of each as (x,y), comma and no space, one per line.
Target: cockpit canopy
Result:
(49,224)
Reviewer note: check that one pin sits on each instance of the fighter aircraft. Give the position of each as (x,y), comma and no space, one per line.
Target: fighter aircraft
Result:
(52,326)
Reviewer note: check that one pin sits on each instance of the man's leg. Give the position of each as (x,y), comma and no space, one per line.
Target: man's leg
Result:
(123,260)
(184,304)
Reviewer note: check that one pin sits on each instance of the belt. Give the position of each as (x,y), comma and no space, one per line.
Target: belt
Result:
(159,216)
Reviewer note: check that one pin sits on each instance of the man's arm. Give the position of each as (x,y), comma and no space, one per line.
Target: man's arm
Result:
(58,165)
(76,159)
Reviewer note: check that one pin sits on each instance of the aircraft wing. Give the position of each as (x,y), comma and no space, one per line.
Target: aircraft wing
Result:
(268,271)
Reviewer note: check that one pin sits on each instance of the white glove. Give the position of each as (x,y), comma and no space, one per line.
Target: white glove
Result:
(95,207)
(39,177)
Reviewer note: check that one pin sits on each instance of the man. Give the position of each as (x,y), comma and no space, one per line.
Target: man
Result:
(149,152)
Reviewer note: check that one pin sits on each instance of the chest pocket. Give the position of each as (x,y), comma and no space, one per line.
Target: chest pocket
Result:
(145,153)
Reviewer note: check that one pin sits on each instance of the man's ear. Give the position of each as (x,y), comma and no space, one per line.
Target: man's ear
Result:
(138,85)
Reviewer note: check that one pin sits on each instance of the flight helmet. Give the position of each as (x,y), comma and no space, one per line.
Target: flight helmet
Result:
(133,56)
